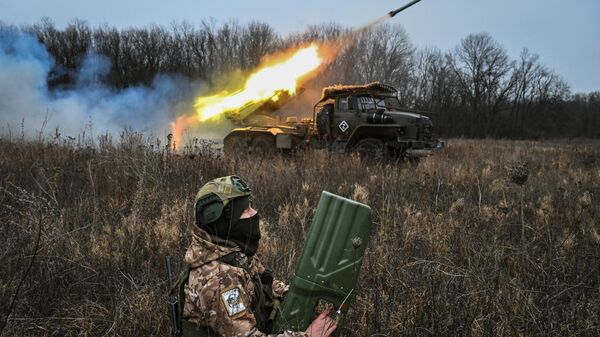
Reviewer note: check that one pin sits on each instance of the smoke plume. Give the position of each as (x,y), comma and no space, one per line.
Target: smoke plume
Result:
(29,107)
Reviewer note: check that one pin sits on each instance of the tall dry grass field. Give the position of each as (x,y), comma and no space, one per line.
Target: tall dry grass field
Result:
(486,238)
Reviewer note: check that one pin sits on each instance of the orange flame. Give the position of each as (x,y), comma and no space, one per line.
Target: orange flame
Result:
(263,84)
(178,127)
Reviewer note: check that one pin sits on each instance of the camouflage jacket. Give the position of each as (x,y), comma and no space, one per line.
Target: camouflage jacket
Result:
(219,295)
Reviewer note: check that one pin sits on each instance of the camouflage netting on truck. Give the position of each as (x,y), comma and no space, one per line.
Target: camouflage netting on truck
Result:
(375,87)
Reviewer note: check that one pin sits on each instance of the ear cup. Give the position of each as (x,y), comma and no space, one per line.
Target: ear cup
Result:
(209,209)
(212,212)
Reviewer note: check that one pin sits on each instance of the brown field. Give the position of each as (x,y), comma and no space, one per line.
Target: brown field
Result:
(486,238)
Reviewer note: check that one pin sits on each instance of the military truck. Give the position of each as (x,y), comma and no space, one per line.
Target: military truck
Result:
(366,119)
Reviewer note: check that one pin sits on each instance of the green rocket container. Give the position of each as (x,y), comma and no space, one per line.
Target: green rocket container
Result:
(329,264)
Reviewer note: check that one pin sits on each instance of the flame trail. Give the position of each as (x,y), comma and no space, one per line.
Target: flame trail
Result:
(265,83)
(262,85)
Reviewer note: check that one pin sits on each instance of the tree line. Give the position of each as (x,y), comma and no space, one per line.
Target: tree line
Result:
(473,90)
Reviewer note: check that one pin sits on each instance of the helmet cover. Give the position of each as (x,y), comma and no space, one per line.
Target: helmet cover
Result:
(217,194)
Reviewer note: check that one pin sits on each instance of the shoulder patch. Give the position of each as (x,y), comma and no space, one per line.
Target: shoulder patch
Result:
(232,299)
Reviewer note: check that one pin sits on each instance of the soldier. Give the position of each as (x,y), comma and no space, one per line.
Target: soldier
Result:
(228,291)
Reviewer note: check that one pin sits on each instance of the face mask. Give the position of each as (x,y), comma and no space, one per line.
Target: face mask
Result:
(245,233)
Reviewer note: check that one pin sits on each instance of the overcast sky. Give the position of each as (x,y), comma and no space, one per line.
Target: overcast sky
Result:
(566,34)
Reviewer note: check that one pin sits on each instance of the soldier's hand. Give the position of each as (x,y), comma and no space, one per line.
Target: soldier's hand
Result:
(322,326)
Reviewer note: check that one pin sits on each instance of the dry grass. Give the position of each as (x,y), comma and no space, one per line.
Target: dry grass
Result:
(461,245)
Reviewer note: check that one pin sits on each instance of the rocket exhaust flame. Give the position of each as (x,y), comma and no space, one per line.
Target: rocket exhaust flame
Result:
(266,83)
(262,85)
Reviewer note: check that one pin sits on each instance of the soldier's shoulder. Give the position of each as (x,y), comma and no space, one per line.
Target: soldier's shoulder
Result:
(216,274)
(218,288)
(202,274)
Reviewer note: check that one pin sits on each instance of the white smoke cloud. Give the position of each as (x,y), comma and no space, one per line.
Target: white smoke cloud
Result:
(27,103)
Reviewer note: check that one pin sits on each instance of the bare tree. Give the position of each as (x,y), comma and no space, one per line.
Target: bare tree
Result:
(76,43)
(107,42)
(482,68)
(385,54)
(258,39)
(433,81)
(227,43)
(143,52)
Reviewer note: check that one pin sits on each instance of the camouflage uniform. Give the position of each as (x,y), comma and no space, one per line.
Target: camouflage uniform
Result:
(218,295)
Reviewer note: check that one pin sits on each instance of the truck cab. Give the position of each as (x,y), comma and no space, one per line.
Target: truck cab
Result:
(369,118)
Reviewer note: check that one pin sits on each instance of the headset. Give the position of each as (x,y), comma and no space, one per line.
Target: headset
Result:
(209,209)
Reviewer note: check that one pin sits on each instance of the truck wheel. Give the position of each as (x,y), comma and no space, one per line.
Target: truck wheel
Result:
(371,148)
(263,145)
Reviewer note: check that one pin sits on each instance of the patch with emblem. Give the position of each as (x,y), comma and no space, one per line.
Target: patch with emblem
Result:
(232,299)
(344,126)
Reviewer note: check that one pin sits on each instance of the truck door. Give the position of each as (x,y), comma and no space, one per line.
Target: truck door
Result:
(344,121)
(324,121)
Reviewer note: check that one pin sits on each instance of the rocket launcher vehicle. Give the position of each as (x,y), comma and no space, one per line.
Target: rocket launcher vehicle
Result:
(327,272)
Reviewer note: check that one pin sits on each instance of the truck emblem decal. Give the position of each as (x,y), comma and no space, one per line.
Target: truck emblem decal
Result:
(344,126)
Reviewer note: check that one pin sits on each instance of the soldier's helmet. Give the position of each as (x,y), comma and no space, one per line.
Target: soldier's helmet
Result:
(224,196)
